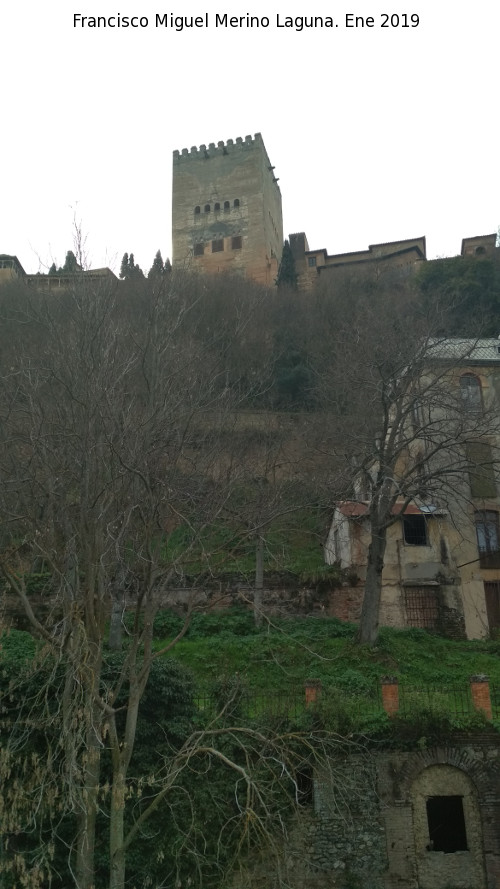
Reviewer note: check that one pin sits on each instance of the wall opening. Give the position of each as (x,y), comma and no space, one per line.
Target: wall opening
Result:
(305,785)
(415,530)
(445,818)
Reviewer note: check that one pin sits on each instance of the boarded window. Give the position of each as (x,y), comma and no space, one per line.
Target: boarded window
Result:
(487,537)
(218,245)
(236,242)
(481,470)
(199,249)
(415,530)
(422,610)
(492,596)
(445,818)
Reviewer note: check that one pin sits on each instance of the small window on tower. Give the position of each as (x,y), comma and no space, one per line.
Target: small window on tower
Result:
(236,242)
(199,249)
(236,202)
(207,208)
(218,245)
(216,208)
(226,205)
(197,210)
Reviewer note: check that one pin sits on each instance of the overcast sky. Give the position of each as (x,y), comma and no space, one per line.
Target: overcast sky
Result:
(376,134)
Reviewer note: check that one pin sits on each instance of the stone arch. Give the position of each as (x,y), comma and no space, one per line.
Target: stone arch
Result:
(452,756)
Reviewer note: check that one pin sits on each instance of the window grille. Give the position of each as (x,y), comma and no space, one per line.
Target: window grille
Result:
(415,530)
(422,609)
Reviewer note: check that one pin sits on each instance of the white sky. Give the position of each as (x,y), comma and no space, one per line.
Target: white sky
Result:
(376,134)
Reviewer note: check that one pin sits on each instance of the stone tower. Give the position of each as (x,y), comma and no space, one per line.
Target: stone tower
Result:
(226,209)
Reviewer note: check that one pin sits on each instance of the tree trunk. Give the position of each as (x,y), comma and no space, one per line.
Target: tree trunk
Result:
(368,626)
(116,848)
(85,853)
(115,623)
(259,580)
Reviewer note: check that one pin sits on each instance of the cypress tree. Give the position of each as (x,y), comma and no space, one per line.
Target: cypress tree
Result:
(287,274)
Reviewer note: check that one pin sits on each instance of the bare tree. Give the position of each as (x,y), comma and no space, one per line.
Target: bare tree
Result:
(403,431)
(114,407)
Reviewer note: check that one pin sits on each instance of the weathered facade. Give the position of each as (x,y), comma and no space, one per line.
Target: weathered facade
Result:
(400,819)
(442,562)
(226,209)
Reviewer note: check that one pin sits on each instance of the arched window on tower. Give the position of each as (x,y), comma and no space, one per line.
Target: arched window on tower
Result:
(236,202)
(197,210)
(207,208)
(470,389)
(216,208)
(226,205)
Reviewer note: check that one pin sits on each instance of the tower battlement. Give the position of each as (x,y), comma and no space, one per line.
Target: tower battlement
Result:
(221,149)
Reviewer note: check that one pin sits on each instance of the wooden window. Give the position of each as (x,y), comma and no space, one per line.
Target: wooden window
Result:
(236,242)
(470,390)
(218,245)
(487,538)
(415,530)
(422,608)
(199,249)
(481,470)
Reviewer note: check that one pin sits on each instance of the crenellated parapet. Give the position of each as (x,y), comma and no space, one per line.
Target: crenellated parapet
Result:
(221,149)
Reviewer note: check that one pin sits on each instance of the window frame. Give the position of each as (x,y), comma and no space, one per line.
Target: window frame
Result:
(407,520)
(471,395)
(487,526)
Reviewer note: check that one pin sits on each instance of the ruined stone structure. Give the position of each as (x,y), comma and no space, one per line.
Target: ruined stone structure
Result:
(400,819)
(226,209)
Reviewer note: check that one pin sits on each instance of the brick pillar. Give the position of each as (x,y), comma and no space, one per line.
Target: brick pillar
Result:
(480,691)
(313,691)
(390,694)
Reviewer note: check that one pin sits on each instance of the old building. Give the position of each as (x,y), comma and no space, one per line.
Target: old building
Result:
(395,255)
(226,209)
(442,561)
(11,270)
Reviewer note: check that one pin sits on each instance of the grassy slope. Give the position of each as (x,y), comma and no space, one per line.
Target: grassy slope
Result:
(284,654)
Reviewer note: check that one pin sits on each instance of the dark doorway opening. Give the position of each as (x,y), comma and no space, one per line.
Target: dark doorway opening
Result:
(305,785)
(445,817)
